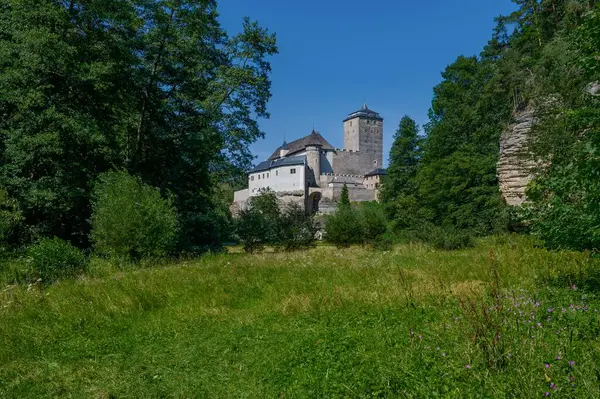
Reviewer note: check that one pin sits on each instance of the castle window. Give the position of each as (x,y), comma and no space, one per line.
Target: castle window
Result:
(258,177)
(292,171)
(252,178)
(267,175)
(374,162)
(350,123)
(276,173)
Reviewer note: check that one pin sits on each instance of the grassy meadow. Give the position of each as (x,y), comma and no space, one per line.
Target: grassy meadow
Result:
(503,319)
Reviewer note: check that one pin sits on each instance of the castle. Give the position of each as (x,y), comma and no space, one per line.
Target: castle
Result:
(311,172)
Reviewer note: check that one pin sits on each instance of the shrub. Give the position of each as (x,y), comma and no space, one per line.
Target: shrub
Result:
(250,227)
(260,223)
(52,259)
(447,238)
(297,228)
(344,227)
(373,220)
(10,218)
(131,219)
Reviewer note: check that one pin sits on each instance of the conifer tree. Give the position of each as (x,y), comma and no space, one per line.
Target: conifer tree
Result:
(344,198)
(404,161)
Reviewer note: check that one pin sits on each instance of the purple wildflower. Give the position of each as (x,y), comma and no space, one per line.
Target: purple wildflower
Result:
(558,357)
(468,367)
(547,394)
(547,365)
(553,386)
(571,378)
(550,310)
(571,363)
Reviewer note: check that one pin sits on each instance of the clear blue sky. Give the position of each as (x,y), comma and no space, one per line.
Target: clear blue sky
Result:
(333,54)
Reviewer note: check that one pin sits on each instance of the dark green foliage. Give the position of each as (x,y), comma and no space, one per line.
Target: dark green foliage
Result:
(53,259)
(260,223)
(131,219)
(446,238)
(10,217)
(344,227)
(565,207)
(365,224)
(344,201)
(373,220)
(297,228)
(403,162)
(156,88)
(265,223)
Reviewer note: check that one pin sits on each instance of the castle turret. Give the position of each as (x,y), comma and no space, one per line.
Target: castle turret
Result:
(313,159)
(284,149)
(363,133)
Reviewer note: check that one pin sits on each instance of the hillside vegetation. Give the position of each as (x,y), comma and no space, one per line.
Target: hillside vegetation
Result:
(503,319)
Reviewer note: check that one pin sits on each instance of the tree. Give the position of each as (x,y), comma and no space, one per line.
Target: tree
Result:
(156,88)
(404,161)
(131,219)
(344,202)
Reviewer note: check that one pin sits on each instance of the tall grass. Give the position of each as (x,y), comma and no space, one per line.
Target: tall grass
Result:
(411,322)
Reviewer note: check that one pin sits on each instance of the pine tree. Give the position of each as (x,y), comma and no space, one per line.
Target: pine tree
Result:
(404,161)
(344,202)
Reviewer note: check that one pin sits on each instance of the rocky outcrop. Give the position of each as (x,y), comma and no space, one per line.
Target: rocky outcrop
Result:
(593,88)
(515,168)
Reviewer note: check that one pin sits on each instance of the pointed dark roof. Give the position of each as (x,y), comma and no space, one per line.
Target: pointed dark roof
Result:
(270,164)
(364,112)
(377,172)
(299,145)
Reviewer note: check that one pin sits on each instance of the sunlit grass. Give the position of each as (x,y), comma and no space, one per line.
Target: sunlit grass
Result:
(326,322)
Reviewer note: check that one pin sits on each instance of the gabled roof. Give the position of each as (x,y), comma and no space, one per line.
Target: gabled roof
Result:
(377,172)
(299,145)
(271,164)
(364,112)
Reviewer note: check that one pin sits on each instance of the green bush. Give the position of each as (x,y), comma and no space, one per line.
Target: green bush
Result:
(10,219)
(373,220)
(447,238)
(264,223)
(297,228)
(52,259)
(344,227)
(131,219)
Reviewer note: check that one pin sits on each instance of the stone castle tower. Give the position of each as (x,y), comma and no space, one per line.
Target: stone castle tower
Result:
(363,133)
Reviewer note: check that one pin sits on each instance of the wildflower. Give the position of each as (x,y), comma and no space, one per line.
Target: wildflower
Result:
(558,357)
(412,333)
(571,378)
(548,319)
(553,386)
(550,310)
(571,363)
(547,365)
(468,367)
(444,354)
(420,337)
(539,325)
(547,394)
(574,287)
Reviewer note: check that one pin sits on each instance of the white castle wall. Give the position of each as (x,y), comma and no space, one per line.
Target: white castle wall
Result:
(277,179)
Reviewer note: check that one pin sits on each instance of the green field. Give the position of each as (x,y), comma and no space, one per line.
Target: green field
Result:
(504,319)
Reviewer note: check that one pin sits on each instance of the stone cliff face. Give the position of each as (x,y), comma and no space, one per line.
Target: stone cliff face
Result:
(515,169)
